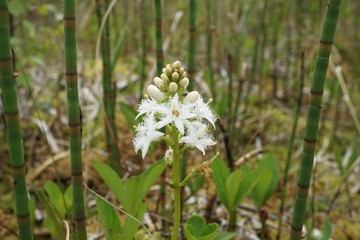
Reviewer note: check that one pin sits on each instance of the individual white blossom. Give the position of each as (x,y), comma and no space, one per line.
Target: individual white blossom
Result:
(146,133)
(147,106)
(198,136)
(203,111)
(175,112)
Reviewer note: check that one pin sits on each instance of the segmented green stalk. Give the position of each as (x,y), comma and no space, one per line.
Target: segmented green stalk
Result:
(143,20)
(13,132)
(192,41)
(263,33)
(74,118)
(158,33)
(313,115)
(209,42)
(109,91)
(291,146)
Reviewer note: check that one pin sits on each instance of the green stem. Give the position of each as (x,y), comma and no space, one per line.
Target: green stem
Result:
(232,221)
(192,41)
(291,146)
(13,131)
(312,121)
(109,91)
(74,119)
(176,181)
(158,34)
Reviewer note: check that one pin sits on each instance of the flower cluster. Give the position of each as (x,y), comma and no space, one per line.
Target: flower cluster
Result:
(168,104)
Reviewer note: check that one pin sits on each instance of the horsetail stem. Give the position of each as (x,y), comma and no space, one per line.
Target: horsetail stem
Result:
(109,89)
(74,119)
(209,43)
(158,33)
(291,146)
(192,41)
(313,115)
(13,132)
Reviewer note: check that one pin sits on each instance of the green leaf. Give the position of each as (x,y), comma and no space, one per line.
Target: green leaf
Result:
(197,229)
(152,174)
(136,187)
(109,220)
(327,231)
(232,186)
(56,197)
(131,226)
(133,191)
(220,175)
(129,113)
(247,184)
(110,178)
(16,8)
(267,183)
(225,236)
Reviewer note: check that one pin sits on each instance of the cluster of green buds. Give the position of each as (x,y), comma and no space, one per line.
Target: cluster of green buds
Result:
(172,80)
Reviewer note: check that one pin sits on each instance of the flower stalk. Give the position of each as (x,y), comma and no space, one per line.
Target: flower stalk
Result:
(176,181)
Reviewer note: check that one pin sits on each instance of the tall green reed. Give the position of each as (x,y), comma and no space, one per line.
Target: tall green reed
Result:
(109,90)
(74,119)
(192,41)
(13,132)
(291,146)
(158,34)
(313,115)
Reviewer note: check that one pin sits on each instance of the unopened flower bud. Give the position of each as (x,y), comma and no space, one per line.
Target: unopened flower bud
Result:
(168,70)
(177,64)
(175,76)
(164,78)
(158,82)
(192,97)
(173,87)
(155,93)
(181,71)
(184,82)
(164,70)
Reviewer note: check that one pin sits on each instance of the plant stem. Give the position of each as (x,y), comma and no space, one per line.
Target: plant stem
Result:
(209,46)
(176,182)
(13,131)
(232,221)
(74,120)
(109,91)
(158,34)
(192,41)
(313,115)
(291,146)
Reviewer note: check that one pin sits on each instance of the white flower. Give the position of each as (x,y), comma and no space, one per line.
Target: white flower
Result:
(202,110)
(148,106)
(145,134)
(175,112)
(197,136)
